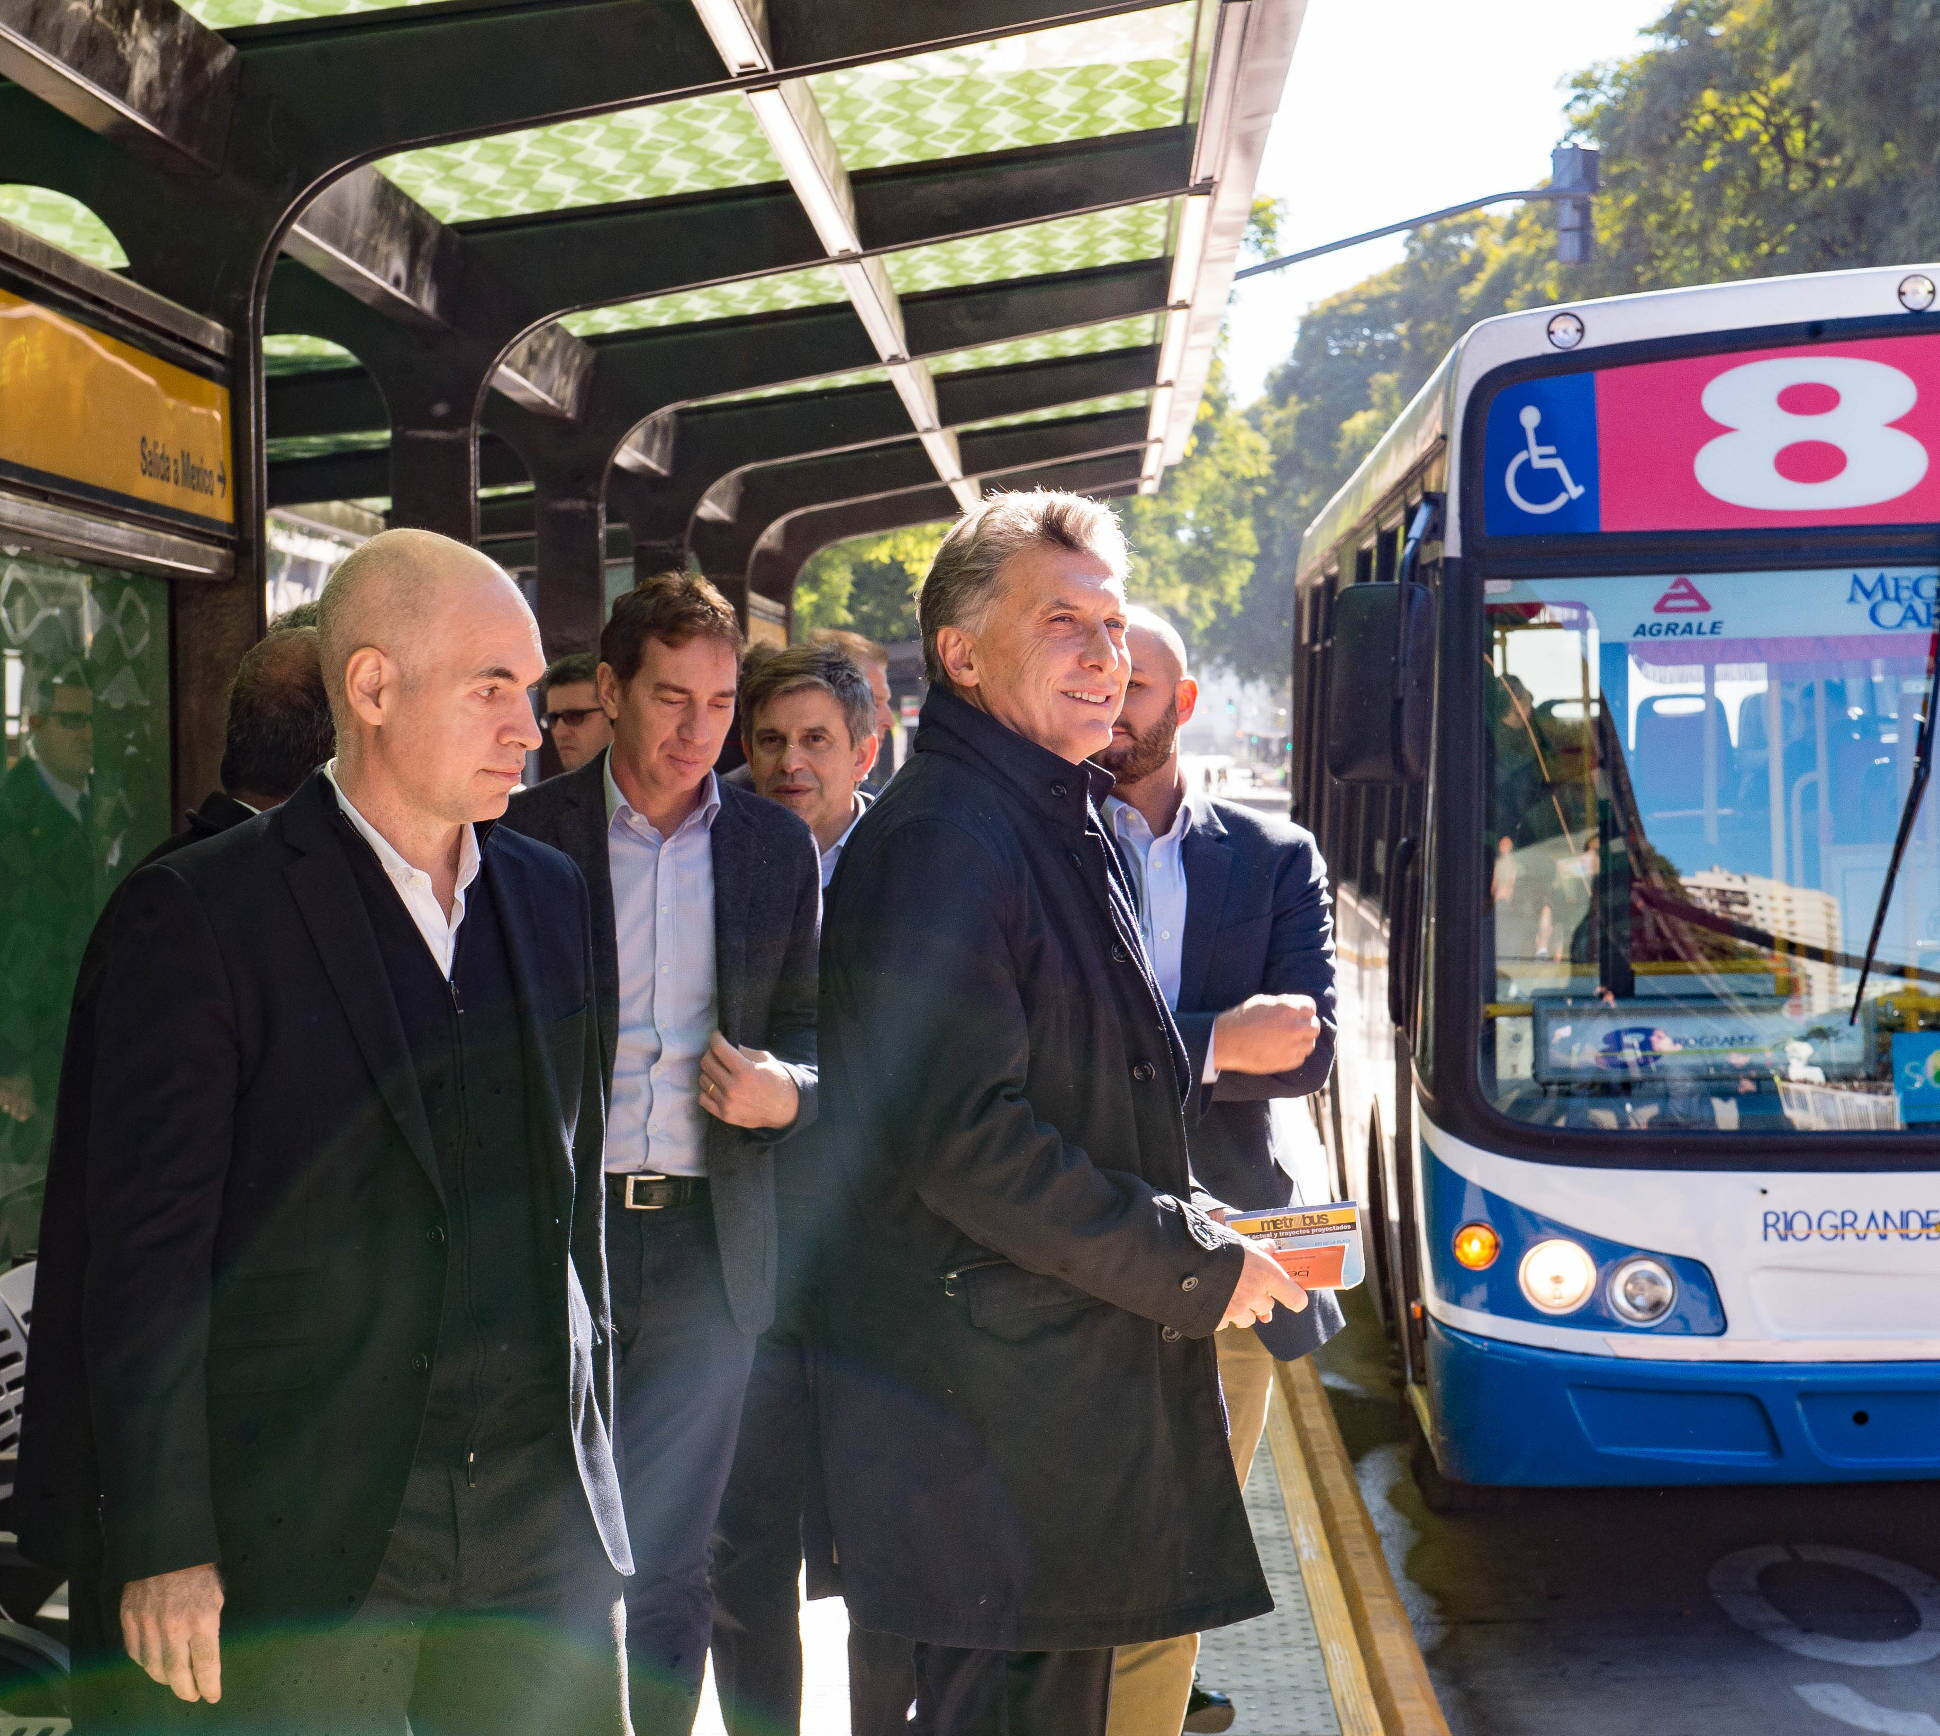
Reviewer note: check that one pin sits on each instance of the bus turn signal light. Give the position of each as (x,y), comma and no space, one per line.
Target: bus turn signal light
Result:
(1476,1247)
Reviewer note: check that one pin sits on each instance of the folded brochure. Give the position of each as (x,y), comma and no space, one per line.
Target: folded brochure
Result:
(1320,1246)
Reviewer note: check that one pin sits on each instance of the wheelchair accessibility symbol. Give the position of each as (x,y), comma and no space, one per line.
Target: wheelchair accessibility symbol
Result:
(1536,456)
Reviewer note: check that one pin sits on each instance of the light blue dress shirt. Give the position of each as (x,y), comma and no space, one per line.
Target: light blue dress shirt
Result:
(832,856)
(1158,874)
(1157,869)
(663,921)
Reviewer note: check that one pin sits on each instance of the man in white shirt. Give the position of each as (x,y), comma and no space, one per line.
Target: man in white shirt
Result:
(1234,908)
(706,914)
(808,719)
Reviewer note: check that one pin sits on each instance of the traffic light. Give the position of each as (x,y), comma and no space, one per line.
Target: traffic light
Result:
(1573,174)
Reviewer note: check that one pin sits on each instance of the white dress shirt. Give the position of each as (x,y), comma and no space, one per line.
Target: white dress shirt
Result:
(663,922)
(1157,868)
(413,884)
(833,854)
(70,796)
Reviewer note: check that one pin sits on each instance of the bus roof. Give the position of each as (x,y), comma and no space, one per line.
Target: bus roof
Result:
(1434,413)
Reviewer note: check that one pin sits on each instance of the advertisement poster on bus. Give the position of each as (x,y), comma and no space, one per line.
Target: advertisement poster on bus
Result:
(1824,434)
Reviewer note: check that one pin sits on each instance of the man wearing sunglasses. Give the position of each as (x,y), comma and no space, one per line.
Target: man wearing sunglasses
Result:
(569,707)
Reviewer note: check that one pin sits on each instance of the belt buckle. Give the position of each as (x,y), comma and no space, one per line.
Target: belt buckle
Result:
(634,1205)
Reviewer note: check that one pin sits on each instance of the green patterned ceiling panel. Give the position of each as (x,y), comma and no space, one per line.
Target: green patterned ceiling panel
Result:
(786,289)
(1091,340)
(234,14)
(696,146)
(1089,407)
(1109,75)
(62,222)
(1115,237)
(292,353)
(288,446)
(821,383)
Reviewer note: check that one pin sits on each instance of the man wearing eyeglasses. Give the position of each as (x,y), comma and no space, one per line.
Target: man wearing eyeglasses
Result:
(50,892)
(569,707)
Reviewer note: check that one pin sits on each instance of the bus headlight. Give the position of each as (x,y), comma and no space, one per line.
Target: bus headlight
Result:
(1557,1276)
(1642,1291)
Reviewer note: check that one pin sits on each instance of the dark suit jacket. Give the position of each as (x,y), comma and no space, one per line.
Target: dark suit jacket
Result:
(1024,1447)
(767,919)
(57,1458)
(261,1302)
(1259,921)
(50,895)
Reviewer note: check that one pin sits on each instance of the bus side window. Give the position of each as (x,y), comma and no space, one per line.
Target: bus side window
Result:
(1364,564)
(1317,809)
(1387,554)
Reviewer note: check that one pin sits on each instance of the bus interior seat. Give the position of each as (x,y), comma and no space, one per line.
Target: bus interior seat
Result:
(1667,762)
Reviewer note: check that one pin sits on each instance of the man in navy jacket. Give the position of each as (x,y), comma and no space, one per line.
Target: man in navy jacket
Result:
(706,905)
(1239,928)
(1023,1445)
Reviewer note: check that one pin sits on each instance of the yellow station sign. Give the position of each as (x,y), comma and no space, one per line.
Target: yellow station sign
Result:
(87,413)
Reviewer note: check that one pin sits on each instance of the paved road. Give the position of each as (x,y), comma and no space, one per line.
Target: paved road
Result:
(1804,1611)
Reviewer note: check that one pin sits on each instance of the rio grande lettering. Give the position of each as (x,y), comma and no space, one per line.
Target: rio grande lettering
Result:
(1848,1225)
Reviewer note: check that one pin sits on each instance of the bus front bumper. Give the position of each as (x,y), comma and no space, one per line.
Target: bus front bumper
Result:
(1512,1414)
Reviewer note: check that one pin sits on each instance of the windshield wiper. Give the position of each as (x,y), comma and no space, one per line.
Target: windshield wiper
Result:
(1909,813)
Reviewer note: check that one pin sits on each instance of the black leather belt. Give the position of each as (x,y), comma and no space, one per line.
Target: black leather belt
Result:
(656,1193)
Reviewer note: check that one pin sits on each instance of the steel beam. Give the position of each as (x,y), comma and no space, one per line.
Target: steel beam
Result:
(325,401)
(791,542)
(363,475)
(143,73)
(712,442)
(763,495)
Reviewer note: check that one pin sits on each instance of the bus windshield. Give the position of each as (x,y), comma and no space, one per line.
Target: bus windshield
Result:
(1694,784)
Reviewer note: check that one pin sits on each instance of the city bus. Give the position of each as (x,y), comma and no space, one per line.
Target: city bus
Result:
(1613,668)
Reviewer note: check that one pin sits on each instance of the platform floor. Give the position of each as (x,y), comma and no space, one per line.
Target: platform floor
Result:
(1272,1666)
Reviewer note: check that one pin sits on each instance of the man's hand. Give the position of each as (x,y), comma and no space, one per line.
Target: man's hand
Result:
(1265,1034)
(170,1624)
(1263,1281)
(746,1087)
(17,1096)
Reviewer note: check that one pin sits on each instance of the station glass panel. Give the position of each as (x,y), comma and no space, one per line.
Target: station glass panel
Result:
(84,795)
(1695,783)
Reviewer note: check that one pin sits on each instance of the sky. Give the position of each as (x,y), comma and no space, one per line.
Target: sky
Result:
(1395,107)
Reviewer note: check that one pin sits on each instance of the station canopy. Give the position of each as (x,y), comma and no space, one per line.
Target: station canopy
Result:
(837,264)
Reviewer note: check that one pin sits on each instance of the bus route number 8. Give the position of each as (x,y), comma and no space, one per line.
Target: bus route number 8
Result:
(1810,434)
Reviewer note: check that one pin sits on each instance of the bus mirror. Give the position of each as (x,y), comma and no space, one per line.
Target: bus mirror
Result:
(1379,684)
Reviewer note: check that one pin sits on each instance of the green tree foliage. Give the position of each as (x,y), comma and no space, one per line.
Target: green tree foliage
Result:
(1195,543)
(867,584)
